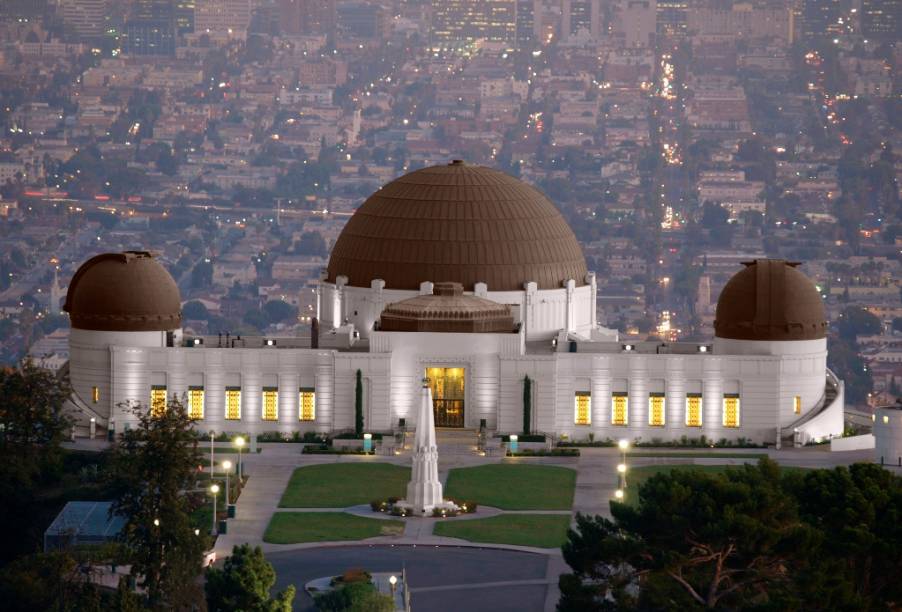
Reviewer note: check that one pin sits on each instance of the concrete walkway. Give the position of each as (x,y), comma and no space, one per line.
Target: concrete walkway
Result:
(596,481)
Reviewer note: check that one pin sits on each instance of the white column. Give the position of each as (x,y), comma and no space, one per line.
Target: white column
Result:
(570,286)
(601,396)
(593,295)
(712,394)
(340,315)
(325,392)
(638,400)
(675,397)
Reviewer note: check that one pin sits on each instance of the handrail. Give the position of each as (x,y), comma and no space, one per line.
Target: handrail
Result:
(831,380)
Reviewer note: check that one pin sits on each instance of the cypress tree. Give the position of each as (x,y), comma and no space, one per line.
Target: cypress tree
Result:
(358,405)
(527,405)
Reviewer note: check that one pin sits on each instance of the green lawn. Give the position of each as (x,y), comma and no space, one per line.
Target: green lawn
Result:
(637,475)
(539,530)
(339,485)
(697,455)
(514,486)
(297,527)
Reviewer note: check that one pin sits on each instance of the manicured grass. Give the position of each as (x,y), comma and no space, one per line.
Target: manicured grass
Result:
(514,486)
(637,475)
(297,527)
(539,530)
(339,485)
(698,455)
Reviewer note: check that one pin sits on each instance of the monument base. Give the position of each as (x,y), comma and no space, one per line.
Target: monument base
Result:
(425,510)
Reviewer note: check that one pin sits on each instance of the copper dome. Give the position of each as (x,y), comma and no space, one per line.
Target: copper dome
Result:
(770,300)
(447,310)
(127,291)
(460,223)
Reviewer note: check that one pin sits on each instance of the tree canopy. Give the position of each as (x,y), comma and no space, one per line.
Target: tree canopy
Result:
(751,538)
(244,582)
(153,464)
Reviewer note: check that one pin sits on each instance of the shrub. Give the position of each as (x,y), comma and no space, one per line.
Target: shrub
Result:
(467,506)
(354,596)
(352,575)
(443,512)
(378,505)
(393,500)
(270,436)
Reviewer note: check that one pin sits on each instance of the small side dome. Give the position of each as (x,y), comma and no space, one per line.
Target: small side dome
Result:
(770,300)
(127,291)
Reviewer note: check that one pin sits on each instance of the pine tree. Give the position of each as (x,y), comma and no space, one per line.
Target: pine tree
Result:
(152,466)
(358,405)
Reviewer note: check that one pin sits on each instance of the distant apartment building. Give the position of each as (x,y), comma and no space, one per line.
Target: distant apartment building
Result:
(581,16)
(307,17)
(230,17)
(881,19)
(458,23)
(87,18)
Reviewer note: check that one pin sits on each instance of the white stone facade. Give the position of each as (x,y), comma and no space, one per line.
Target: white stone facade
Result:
(778,387)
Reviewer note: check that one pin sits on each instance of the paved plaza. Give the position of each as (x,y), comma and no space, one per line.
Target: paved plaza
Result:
(448,573)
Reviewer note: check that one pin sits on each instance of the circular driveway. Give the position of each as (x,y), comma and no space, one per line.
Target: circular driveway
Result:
(441,579)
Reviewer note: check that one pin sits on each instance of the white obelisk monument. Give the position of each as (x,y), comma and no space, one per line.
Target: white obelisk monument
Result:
(424,491)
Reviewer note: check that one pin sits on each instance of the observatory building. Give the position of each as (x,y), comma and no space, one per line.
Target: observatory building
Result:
(473,279)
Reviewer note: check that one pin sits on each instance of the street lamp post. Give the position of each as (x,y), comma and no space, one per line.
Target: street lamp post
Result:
(212,450)
(393,581)
(227,467)
(214,489)
(624,446)
(239,442)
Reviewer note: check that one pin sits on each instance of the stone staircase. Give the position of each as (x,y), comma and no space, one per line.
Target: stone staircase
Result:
(456,441)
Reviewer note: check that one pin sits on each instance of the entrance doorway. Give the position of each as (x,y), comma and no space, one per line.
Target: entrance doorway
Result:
(447,386)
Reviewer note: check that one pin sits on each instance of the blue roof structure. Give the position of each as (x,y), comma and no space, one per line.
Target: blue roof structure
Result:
(83,522)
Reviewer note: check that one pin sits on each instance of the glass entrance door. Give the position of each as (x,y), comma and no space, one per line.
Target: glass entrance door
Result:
(447,386)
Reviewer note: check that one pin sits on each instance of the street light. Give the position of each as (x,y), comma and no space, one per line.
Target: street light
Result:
(393,580)
(618,493)
(214,490)
(624,446)
(239,443)
(212,450)
(227,466)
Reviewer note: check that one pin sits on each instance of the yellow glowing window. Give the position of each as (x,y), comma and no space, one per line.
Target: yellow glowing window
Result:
(307,403)
(731,410)
(656,409)
(196,402)
(619,408)
(270,404)
(157,400)
(797,404)
(693,409)
(95,394)
(233,403)
(582,404)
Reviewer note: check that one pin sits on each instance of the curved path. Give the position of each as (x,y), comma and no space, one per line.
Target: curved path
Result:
(443,579)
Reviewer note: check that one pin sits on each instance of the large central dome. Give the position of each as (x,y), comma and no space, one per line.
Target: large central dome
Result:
(458,223)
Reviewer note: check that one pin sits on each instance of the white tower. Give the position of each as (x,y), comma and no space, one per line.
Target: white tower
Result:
(424,491)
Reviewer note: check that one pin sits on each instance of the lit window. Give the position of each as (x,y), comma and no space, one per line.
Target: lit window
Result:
(307,403)
(731,410)
(797,404)
(157,400)
(693,409)
(95,394)
(196,402)
(270,404)
(656,409)
(885,418)
(619,408)
(582,404)
(233,403)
